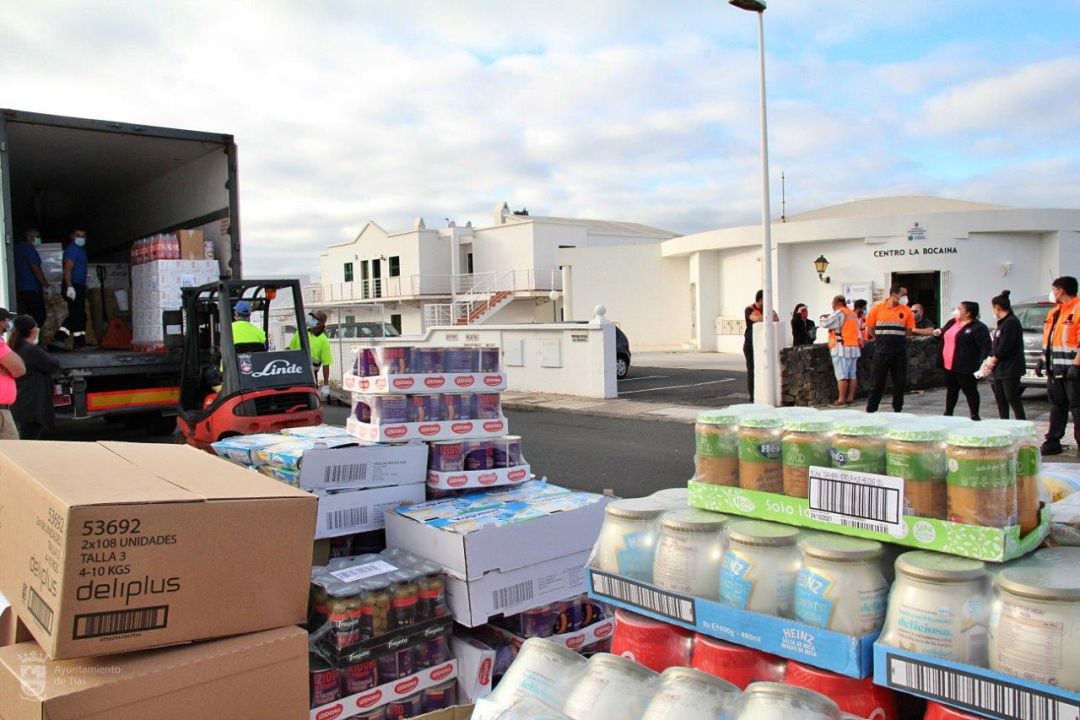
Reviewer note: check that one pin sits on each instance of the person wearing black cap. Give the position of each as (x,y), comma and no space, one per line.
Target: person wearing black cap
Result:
(33,408)
(320,349)
(11,367)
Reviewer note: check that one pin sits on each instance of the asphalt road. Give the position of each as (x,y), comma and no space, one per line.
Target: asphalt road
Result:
(680,386)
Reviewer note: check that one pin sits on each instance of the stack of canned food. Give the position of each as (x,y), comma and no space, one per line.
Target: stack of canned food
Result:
(413,360)
(482,454)
(954,469)
(389,409)
(376,619)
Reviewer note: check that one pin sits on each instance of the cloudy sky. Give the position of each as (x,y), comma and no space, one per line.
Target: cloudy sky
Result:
(639,110)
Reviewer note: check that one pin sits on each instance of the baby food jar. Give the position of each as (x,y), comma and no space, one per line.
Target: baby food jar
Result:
(981,477)
(805,442)
(716,438)
(628,538)
(916,453)
(543,670)
(760,568)
(612,688)
(1035,624)
(775,701)
(858,445)
(841,586)
(939,606)
(1028,466)
(761,465)
(689,694)
(689,552)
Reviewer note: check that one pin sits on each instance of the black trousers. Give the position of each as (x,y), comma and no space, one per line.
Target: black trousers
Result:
(887,363)
(1007,394)
(748,353)
(954,383)
(32,303)
(30,430)
(76,319)
(1064,401)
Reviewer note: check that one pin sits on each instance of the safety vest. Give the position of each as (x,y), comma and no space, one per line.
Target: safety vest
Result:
(244,332)
(1061,336)
(890,324)
(850,334)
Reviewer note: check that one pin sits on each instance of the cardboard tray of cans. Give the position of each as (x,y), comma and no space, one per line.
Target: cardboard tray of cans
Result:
(462,479)
(433,382)
(971,688)
(419,360)
(826,649)
(450,416)
(425,691)
(990,544)
(582,639)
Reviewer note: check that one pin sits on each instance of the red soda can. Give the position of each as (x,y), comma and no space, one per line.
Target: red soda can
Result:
(649,642)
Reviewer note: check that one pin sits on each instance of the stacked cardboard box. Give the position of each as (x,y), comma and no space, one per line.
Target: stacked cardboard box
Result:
(156,287)
(123,548)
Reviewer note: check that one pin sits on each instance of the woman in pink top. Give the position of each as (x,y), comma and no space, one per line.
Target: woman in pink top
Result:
(965,344)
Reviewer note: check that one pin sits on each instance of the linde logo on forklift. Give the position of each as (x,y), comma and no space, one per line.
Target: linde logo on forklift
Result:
(273,369)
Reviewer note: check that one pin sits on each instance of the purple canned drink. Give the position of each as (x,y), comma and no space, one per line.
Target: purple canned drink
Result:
(574,615)
(325,683)
(425,408)
(396,665)
(393,360)
(365,364)
(458,407)
(447,456)
(538,622)
(376,714)
(405,708)
(426,361)
(508,451)
(489,359)
(358,676)
(488,406)
(460,360)
(479,455)
(432,653)
(382,409)
(441,697)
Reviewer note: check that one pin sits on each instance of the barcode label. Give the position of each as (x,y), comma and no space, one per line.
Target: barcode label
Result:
(854,499)
(40,610)
(667,604)
(998,698)
(121,622)
(362,572)
(340,474)
(513,595)
(347,518)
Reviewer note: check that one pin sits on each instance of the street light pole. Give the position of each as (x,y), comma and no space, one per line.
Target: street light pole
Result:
(772,359)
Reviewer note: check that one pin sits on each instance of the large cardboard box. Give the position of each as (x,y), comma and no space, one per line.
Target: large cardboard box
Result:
(191,244)
(458,712)
(262,675)
(112,547)
(355,511)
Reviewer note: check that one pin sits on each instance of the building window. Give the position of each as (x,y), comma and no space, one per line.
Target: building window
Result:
(395,320)
(350,319)
(348,272)
(395,266)
(468,264)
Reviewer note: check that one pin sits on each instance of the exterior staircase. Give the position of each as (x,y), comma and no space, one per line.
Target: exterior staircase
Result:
(473,313)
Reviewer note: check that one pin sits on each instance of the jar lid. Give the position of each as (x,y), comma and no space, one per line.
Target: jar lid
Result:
(645,508)
(745,408)
(840,415)
(723,416)
(672,498)
(862,427)
(792,411)
(375,585)
(840,548)
(797,698)
(934,566)
(693,675)
(953,421)
(918,432)
(1019,429)
(979,437)
(1064,555)
(547,647)
(809,423)
(694,520)
(621,664)
(759,532)
(761,420)
(1041,581)
(428,568)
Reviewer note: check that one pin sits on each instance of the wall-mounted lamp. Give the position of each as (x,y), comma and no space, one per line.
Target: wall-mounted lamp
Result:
(1006,268)
(821,265)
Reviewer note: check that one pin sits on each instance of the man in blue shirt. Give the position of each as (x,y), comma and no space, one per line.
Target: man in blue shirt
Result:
(74,289)
(29,279)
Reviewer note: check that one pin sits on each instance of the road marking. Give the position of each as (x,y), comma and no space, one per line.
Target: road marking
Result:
(645,377)
(676,387)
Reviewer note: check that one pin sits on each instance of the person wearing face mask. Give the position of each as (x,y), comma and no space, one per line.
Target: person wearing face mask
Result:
(33,407)
(74,291)
(921,321)
(319,344)
(965,345)
(753,313)
(888,324)
(803,329)
(1061,339)
(11,369)
(1006,362)
(29,279)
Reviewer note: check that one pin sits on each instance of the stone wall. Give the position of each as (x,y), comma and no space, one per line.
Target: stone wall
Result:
(807,375)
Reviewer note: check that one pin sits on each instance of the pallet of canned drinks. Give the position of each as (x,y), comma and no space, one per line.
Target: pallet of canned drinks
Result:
(407,369)
(461,464)
(435,416)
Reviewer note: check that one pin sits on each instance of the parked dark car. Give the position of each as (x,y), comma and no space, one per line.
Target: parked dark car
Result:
(622,354)
(1032,315)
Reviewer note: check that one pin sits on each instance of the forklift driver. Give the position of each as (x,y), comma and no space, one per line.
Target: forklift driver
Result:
(244,333)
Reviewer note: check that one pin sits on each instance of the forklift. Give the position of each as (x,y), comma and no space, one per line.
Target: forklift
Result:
(229,388)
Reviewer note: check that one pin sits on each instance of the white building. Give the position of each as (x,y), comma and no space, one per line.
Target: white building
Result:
(505,273)
(690,291)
